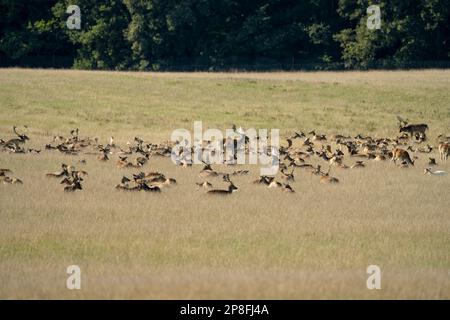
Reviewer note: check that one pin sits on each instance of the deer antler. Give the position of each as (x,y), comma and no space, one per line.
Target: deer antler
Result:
(15,130)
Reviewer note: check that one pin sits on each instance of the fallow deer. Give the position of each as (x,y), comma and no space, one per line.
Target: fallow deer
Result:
(402,155)
(444,151)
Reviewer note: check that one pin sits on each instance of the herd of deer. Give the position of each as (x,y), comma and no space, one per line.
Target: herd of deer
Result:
(291,157)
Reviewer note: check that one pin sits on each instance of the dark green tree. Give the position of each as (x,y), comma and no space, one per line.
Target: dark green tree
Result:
(101,42)
(411,31)
(222,34)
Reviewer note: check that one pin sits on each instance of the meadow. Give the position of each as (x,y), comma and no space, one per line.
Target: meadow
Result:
(257,243)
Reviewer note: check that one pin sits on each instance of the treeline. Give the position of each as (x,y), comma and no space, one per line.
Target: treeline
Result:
(225,34)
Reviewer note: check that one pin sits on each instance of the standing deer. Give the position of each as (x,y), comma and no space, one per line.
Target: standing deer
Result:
(415,130)
(403,155)
(444,151)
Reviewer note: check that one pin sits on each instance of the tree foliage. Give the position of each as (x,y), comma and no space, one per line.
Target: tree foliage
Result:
(221,34)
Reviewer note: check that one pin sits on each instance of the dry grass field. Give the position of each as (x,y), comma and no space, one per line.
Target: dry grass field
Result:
(257,243)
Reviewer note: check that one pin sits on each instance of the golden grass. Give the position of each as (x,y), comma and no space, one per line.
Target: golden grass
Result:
(257,243)
(154,104)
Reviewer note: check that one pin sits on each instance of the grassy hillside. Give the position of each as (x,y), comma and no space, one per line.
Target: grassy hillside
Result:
(103,103)
(257,243)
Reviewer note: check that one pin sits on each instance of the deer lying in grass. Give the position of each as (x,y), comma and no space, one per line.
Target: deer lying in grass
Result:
(163,182)
(358,164)
(287,188)
(154,183)
(326,178)
(138,162)
(73,183)
(58,174)
(273,183)
(4,171)
(287,176)
(205,185)
(262,180)
(104,151)
(231,188)
(207,171)
(21,138)
(8,180)
(434,173)
(148,188)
